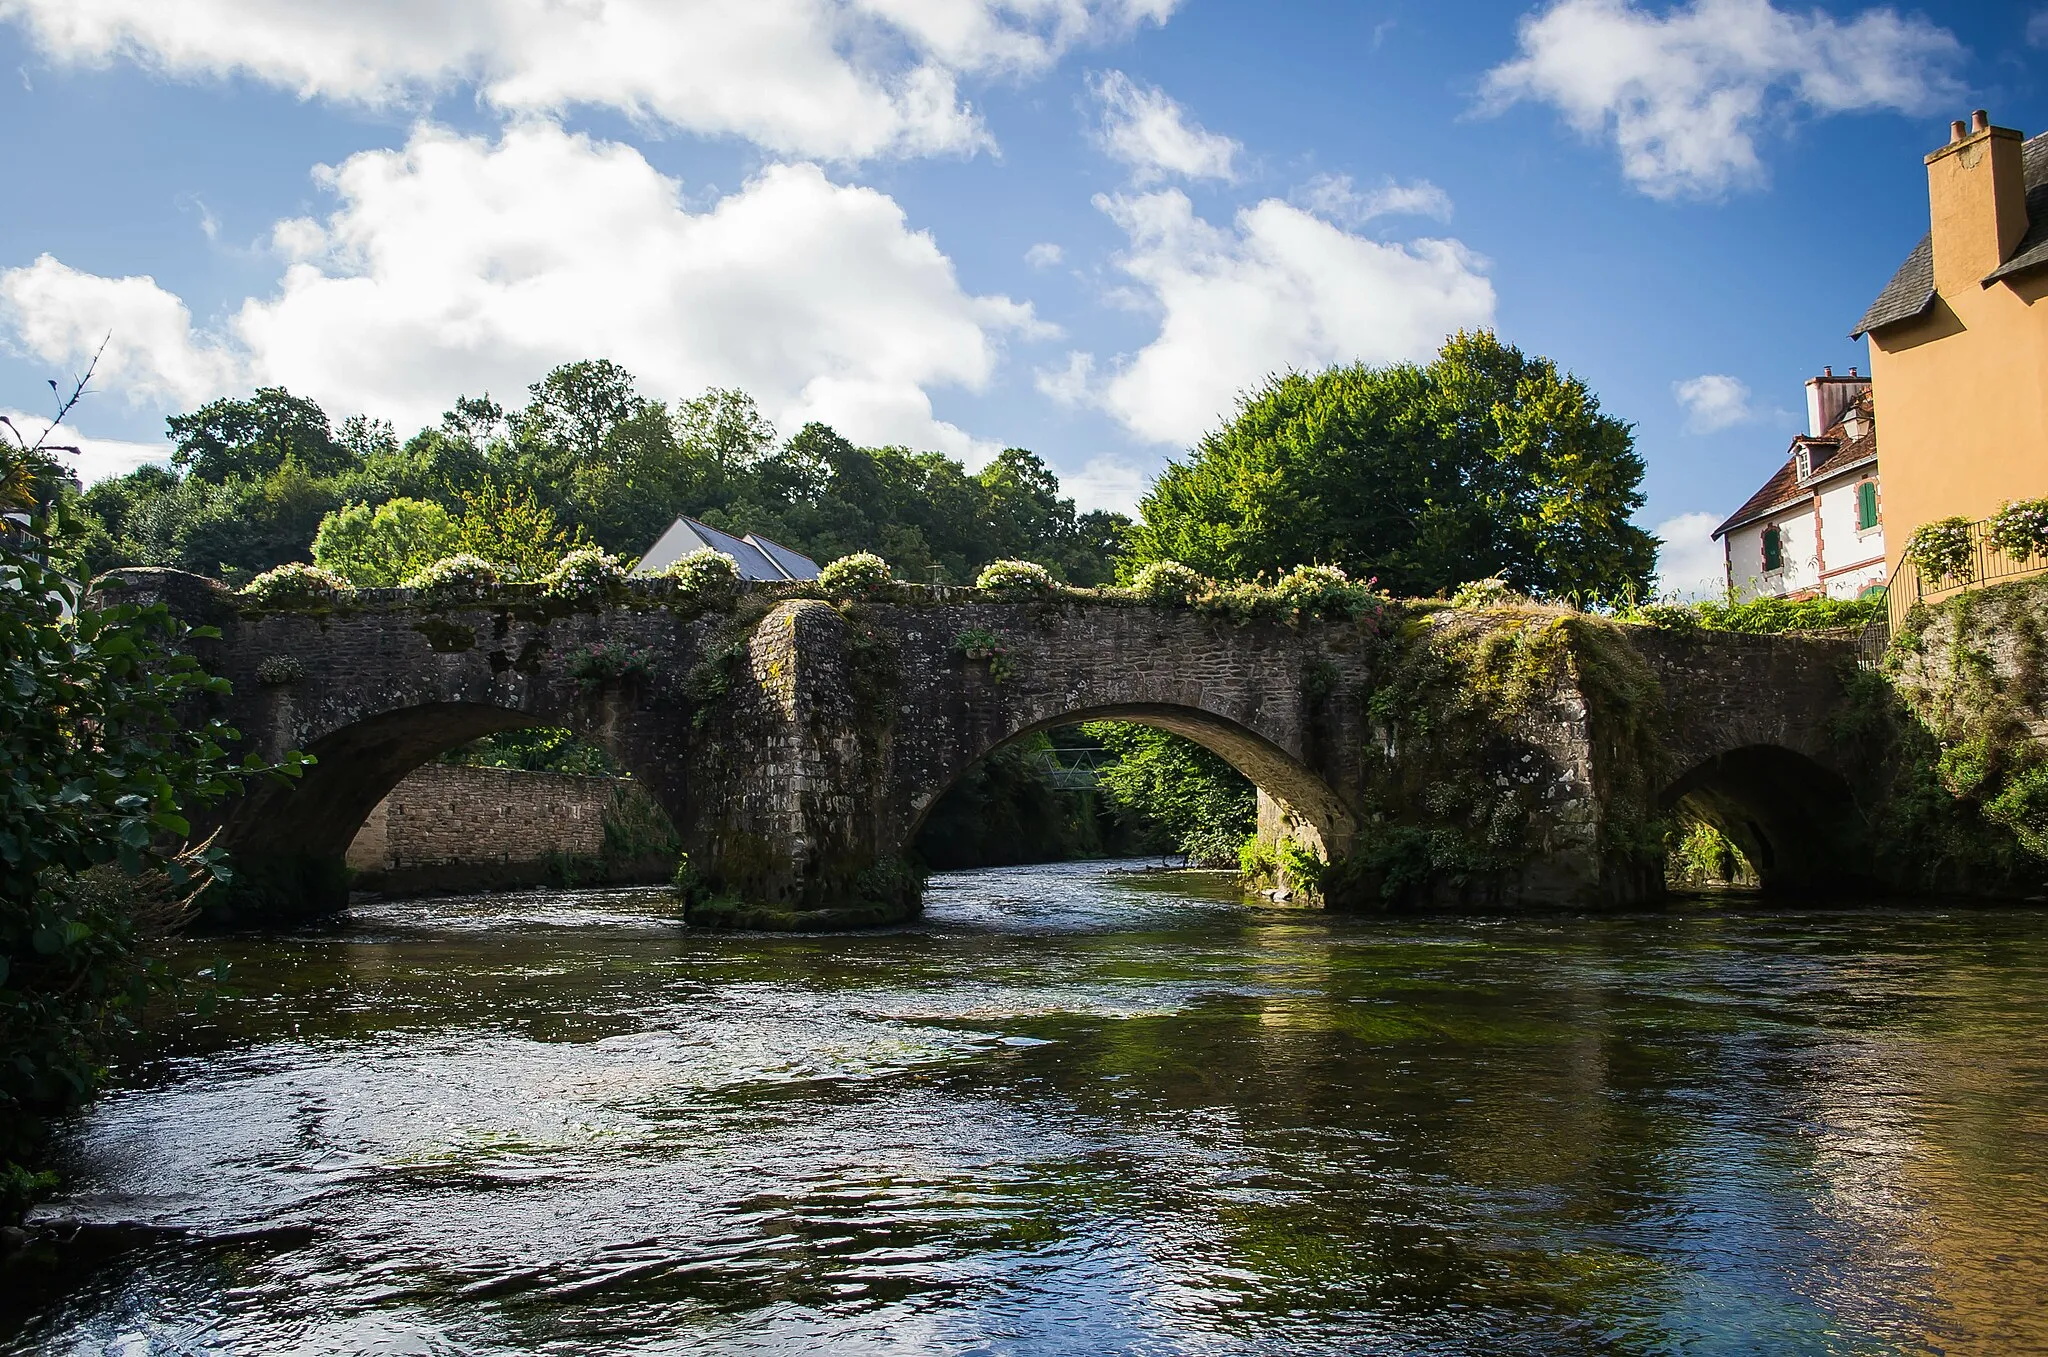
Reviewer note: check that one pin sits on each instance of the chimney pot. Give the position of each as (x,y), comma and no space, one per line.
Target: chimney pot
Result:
(1828,371)
(1957,130)
(1980,121)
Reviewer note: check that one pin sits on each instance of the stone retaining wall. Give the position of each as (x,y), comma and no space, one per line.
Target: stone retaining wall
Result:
(452,827)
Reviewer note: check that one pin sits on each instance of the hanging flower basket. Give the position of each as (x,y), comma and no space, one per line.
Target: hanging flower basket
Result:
(2020,529)
(1942,551)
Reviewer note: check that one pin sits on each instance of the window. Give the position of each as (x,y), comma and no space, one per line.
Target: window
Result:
(1774,549)
(1866,505)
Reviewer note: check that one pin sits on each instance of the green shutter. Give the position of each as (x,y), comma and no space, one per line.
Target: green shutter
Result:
(1774,549)
(1866,505)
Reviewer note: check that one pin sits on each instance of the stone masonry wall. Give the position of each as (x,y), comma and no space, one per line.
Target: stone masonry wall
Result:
(444,815)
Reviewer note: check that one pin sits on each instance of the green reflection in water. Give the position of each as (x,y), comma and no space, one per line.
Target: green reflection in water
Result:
(1092,1113)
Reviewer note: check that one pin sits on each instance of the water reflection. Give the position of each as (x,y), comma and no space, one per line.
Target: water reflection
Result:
(1080,1111)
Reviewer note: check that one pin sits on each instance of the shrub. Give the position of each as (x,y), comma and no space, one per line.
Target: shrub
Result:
(596,666)
(1168,584)
(1015,580)
(1759,615)
(703,571)
(377,547)
(1941,550)
(1324,591)
(455,579)
(586,575)
(861,573)
(1491,592)
(2020,528)
(276,670)
(978,644)
(295,585)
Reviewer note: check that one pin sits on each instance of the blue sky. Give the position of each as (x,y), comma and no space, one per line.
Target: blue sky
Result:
(1079,226)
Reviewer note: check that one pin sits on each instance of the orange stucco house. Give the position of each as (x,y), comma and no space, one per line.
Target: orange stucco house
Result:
(1959,337)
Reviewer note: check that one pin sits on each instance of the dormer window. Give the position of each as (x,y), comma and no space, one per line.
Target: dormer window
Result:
(1802,464)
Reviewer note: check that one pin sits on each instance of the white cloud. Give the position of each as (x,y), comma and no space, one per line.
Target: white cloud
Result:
(460,265)
(97,459)
(838,79)
(1072,384)
(1684,94)
(1334,196)
(1147,130)
(1044,255)
(1690,563)
(1106,483)
(1281,289)
(1712,401)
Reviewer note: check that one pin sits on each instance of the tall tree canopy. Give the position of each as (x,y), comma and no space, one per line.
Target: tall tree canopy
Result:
(1487,461)
(588,457)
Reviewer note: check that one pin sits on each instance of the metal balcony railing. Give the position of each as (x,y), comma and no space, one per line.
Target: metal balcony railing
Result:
(1907,587)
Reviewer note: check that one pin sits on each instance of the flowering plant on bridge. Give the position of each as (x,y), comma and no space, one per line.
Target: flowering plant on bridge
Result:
(701,573)
(1017,581)
(1941,550)
(455,579)
(2020,528)
(861,573)
(1168,584)
(295,585)
(981,644)
(586,575)
(1326,591)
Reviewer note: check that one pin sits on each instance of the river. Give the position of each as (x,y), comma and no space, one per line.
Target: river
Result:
(1078,1110)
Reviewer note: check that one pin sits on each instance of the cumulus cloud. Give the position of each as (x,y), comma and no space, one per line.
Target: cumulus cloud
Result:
(1044,255)
(96,459)
(1106,483)
(1279,288)
(1144,128)
(1335,197)
(1690,563)
(1712,401)
(464,265)
(1684,94)
(836,79)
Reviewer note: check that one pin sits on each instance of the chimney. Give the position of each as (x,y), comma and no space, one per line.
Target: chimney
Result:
(1977,200)
(1827,396)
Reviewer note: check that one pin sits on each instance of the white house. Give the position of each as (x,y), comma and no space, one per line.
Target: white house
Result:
(1814,527)
(757,557)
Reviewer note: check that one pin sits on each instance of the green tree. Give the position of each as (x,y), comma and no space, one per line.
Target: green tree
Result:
(1208,807)
(514,532)
(253,438)
(1486,461)
(101,767)
(376,548)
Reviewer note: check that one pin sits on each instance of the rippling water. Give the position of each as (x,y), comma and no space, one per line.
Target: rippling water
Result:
(1081,1111)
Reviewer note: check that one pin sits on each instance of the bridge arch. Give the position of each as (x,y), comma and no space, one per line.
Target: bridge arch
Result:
(1793,818)
(1311,807)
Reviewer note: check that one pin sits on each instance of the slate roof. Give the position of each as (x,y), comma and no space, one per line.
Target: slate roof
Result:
(1911,290)
(2032,251)
(1832,454)
(757,557)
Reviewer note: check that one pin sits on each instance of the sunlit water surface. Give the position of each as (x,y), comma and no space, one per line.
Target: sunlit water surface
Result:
(1091,1112)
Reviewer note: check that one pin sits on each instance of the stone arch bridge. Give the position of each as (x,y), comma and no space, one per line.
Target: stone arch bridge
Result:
(797,745)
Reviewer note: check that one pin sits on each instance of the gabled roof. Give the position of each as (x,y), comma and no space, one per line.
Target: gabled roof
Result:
(757,557)
(1911,290)
(1831,455)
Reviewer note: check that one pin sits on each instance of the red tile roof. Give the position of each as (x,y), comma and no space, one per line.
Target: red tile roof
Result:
(1831,455)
